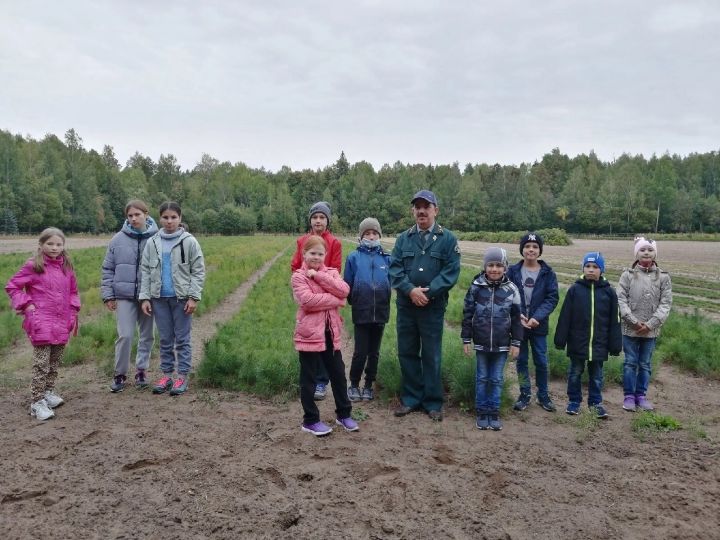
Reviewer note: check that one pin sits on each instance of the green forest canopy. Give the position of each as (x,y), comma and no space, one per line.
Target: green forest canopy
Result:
(59,183)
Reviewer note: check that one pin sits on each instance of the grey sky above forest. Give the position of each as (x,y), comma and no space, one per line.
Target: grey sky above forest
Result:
(293,83)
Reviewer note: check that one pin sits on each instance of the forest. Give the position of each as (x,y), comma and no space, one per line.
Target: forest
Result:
(54,182)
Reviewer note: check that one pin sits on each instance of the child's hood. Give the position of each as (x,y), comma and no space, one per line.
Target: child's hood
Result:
(151,230)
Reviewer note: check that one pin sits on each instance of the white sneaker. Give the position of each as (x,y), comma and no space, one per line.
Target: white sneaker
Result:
(52,399)
(40,410)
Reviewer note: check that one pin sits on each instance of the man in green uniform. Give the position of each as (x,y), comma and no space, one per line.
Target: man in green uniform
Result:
(424,266)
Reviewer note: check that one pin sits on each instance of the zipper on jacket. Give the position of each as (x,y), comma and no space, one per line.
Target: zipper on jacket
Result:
(372,282)
(492,317)
(592,319)
(137,267)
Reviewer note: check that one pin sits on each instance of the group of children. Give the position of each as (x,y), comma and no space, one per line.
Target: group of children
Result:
(147,275)
(507,311)
(152,274)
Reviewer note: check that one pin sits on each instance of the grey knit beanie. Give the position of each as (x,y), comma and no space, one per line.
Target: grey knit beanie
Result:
(322,207)
(369,224)
(495,254)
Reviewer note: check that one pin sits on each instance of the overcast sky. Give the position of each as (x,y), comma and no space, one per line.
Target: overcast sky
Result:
(274,83)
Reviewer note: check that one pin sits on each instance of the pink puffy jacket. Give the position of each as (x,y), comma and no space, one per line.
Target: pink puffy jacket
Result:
(54,294)
(319,300)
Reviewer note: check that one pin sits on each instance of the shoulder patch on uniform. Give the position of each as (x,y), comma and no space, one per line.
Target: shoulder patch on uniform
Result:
(457,249)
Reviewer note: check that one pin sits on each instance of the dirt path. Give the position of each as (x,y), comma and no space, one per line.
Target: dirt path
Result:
(214,464)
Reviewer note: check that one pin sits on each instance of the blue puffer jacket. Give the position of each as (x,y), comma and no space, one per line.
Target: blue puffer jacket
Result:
(491,315)
(366,271)
(121,267)
(544,298)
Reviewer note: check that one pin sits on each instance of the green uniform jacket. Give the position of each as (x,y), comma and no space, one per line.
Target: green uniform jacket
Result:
(437,265)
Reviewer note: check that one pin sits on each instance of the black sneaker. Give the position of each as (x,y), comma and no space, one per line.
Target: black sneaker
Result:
(354,393)
(367,394)
(495,423)
(522,402)
(599,411)
(140,380)
(547,404)
(118,384)
(482,422)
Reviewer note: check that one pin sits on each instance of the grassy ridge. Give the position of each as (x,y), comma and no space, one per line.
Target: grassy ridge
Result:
(228,262)
(254,351)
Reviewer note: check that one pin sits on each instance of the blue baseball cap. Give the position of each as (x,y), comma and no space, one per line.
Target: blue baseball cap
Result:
(426,195)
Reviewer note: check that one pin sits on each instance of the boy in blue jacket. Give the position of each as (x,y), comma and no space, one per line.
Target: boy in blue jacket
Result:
(366,271)
(491,320)
(538,287)
(589,326)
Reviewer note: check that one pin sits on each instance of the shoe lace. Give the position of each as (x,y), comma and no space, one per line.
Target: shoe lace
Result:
(163,381)
(178,383)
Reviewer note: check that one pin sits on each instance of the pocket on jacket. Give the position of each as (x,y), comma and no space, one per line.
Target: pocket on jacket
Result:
(408,257)
(73,321)
(305,331)
(438,259)
(28,322)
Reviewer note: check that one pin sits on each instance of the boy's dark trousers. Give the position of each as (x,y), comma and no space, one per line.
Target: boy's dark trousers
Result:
(309,364)
(367,345)
(595,381)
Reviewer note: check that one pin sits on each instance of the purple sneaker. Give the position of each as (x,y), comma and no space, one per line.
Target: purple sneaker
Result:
(643,403)
(348,423)
(629,403)
(318,429)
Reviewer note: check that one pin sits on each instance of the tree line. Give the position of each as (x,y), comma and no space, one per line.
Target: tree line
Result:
(60,183)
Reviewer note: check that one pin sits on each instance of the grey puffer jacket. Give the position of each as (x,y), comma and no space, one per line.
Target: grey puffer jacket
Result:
(121,268)
(188,268)
(644,296)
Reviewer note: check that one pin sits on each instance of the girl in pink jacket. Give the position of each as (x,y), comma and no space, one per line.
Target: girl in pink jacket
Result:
(45,292)
(320,292)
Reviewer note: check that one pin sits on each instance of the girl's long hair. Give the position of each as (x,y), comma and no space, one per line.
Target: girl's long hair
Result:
(39,260)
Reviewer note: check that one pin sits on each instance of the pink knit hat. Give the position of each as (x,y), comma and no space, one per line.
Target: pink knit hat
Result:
(641,242)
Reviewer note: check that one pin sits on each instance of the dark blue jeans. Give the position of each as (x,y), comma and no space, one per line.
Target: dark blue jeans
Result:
(538,344)
(489,380)
(174,327)
(638,364)
(595,381)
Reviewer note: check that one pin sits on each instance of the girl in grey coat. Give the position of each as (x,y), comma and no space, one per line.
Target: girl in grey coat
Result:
(644,298)
(120,288)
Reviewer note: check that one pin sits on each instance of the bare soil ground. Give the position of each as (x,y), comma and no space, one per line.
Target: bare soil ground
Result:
(214,464)
(689,259)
